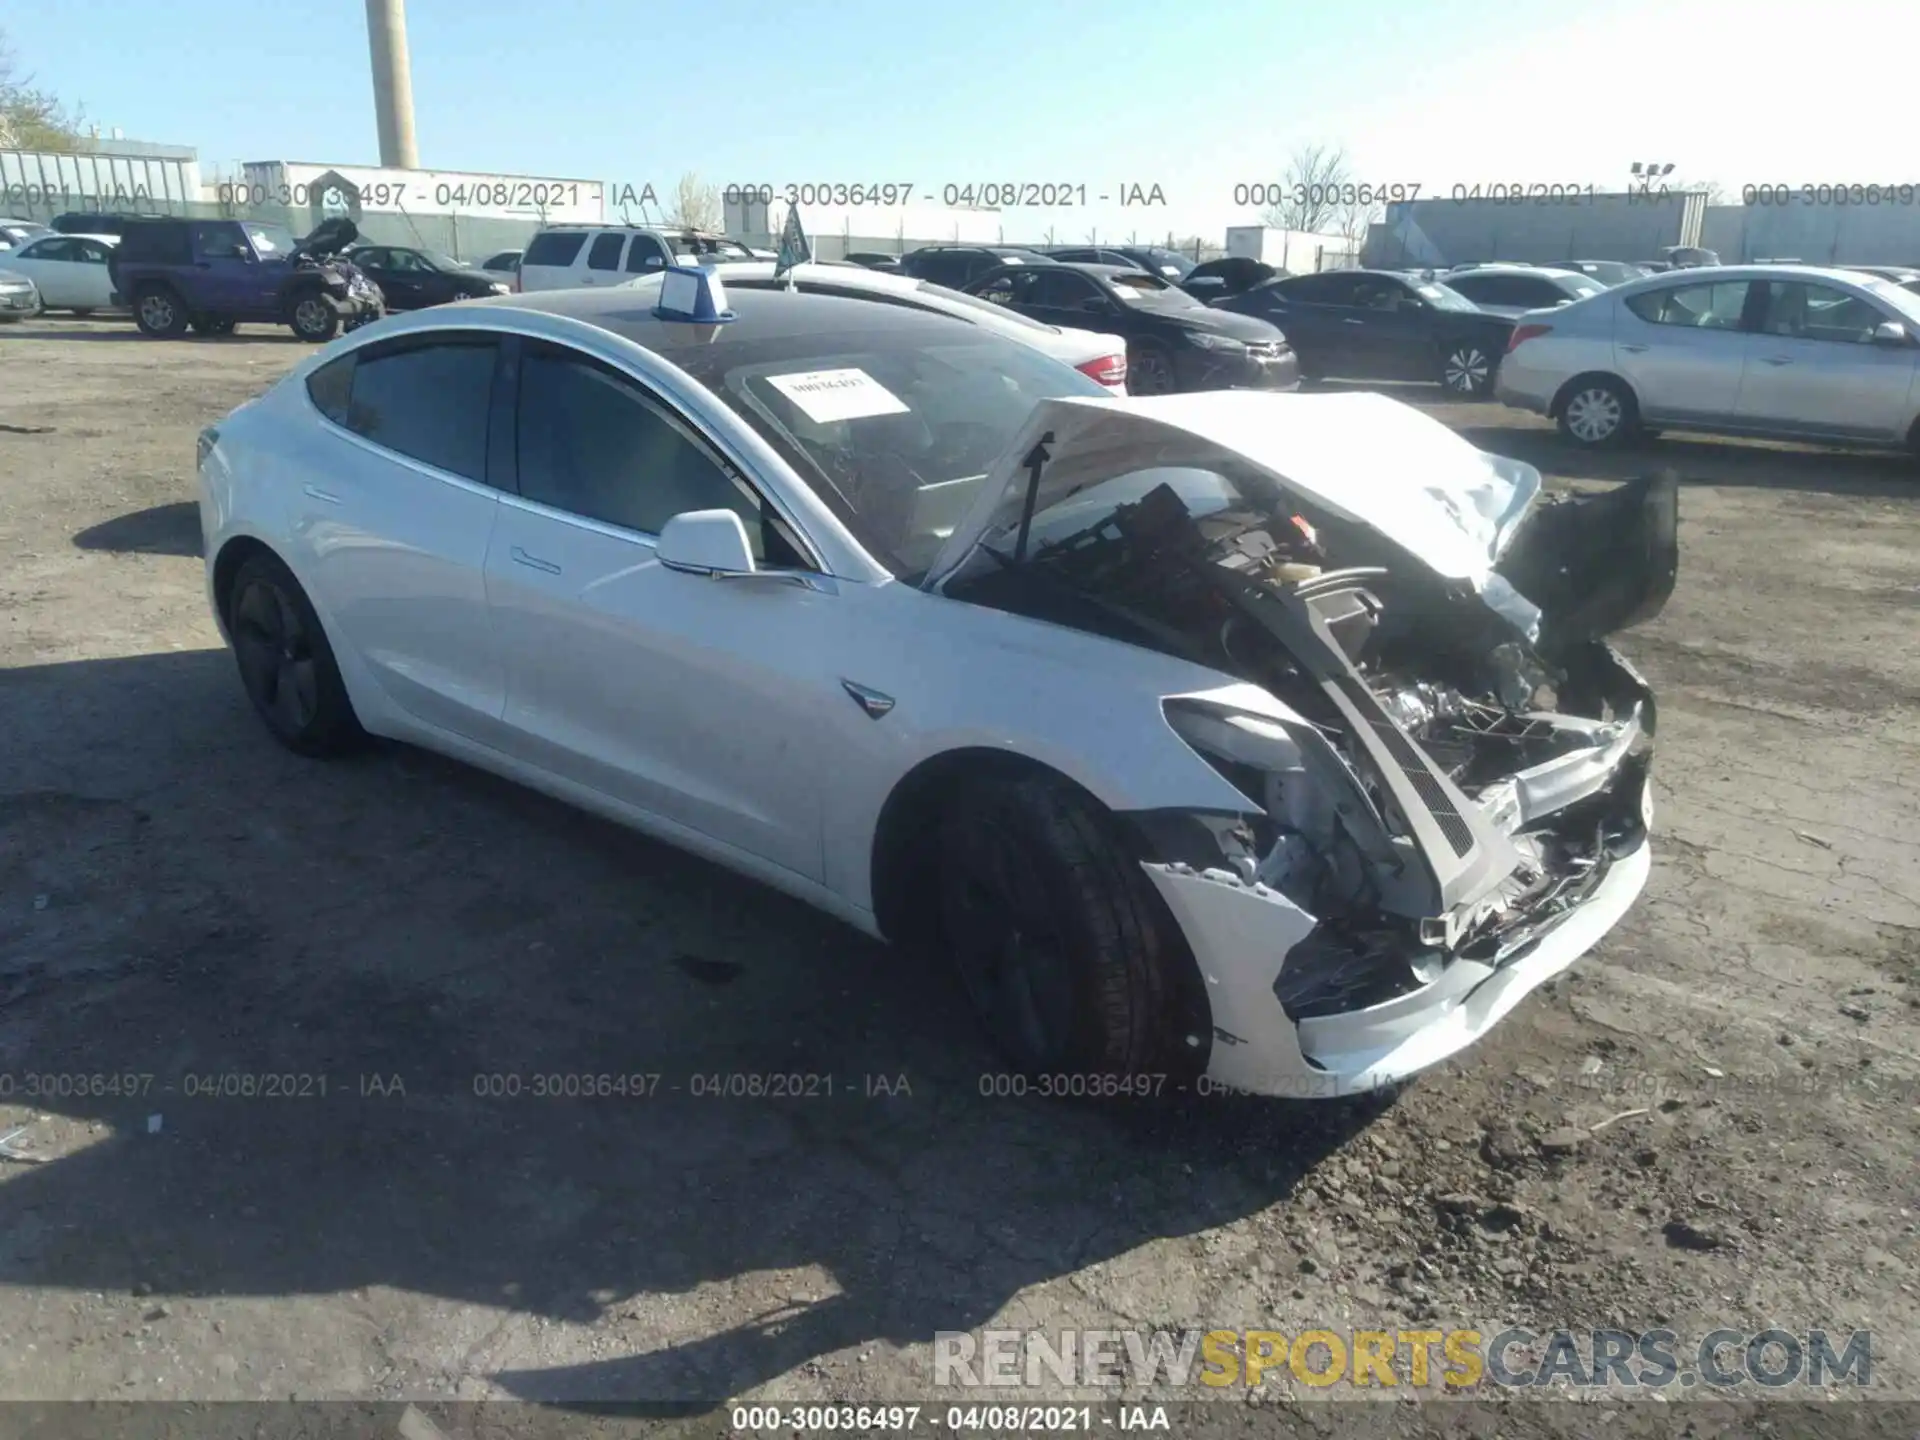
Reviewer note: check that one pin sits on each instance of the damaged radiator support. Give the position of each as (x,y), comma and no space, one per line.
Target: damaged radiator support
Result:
(1460,857)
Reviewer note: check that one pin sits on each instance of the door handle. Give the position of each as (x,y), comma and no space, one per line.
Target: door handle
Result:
(1634,349)
(314,492)
(521,557)
(1775,360)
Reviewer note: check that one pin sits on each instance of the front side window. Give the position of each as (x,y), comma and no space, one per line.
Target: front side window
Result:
(426,400)
(1819,312)
(593,444)
(217,242)
(645,253)
(1059,289)
(270,242)
(1703,307)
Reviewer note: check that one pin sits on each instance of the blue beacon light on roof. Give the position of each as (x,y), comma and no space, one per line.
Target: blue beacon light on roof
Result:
(693,294)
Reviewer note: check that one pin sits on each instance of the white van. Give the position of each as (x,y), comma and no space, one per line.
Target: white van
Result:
(566,257)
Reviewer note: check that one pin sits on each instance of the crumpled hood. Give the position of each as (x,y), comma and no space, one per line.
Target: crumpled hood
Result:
(1361,456)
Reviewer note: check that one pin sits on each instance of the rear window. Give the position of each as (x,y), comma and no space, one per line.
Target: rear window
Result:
(554,247)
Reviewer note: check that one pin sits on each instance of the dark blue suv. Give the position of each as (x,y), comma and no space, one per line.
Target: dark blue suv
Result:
(210,275)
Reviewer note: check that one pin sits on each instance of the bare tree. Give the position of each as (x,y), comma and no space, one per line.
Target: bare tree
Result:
(1315,180)
(696,205)
(32,119)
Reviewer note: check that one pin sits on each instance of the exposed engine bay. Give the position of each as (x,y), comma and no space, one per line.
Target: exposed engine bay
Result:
(1460,782)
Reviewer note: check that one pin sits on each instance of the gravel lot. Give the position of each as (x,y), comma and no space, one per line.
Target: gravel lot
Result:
(180,899)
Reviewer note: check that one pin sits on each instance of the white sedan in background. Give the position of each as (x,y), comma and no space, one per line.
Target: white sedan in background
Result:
(1103,357)
(70,271)
(1267,738)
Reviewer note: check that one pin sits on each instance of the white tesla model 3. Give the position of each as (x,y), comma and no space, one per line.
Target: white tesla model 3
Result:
(1268,738)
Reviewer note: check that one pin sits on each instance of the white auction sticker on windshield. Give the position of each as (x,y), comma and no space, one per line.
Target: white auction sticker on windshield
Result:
(829,395)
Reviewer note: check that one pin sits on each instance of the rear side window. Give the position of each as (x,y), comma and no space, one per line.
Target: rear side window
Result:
(592,444)
(161,244)
(331,388)
(1706,307)
(428,401)
(554,247)
(605,254)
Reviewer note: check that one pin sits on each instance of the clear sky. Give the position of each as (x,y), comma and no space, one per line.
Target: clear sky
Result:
(1194,97)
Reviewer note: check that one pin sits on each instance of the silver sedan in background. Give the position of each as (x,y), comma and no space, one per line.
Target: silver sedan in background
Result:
(1785,352)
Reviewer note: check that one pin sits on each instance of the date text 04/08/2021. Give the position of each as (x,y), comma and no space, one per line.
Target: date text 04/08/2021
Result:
(971,194)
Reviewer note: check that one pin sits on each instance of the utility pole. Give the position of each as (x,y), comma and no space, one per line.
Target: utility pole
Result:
(392,83)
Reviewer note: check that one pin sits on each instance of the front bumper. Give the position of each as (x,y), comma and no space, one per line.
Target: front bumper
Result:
(1240,935)
(1213,370)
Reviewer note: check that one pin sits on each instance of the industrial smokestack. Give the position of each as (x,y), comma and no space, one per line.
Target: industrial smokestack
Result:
(392,82)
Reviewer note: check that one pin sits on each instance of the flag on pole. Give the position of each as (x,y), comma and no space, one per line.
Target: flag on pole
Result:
(794,249)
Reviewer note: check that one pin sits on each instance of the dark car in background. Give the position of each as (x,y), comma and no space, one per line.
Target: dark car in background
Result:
(1607,272)
(211,275)
(1154,259)
(15,233)
(98,222)
(1381,325)
(874,260)
(958,266)
(1173,341)
(503,262)
(411,279)
(1513,290)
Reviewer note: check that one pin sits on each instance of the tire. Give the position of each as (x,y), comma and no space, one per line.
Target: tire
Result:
(1467,368)
(286,665)
(1150,371)
(312,317)
(158,311)
(1599,413)
(1056,934)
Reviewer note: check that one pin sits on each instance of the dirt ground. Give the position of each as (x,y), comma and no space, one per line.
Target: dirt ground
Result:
(181,901)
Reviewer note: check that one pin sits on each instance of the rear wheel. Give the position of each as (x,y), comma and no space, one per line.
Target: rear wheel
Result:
(285,662)
(1598,413)
(1056,934)
(159,313)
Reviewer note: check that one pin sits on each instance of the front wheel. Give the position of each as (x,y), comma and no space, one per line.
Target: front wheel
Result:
(1150,371)
(1598,414)
(1055,932)
(285,662)
(313,318)
(1467,368)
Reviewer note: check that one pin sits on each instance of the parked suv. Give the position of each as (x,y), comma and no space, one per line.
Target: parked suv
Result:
(566,257)
(214,274)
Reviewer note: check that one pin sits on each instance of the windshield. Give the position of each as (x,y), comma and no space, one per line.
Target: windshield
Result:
(1443,297)
(897,436)
(1170,263)
(1896,297)
(269,240)
(1136,287)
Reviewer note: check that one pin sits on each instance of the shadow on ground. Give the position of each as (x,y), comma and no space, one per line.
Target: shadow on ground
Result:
(344,987)
(162,530)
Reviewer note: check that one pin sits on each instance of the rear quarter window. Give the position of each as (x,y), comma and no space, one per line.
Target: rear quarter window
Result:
(554,247)
(331,388)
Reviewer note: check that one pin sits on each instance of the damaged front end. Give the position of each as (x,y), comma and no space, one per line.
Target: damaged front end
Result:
(1451,801)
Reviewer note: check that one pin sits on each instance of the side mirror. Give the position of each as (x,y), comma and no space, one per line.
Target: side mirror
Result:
(706,542)
(1890,332)
(1094,305)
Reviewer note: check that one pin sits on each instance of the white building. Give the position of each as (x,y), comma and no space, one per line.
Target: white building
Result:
(865,227)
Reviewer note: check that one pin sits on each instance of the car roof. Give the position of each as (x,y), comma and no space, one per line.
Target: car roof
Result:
(1707,274)
(628,313)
